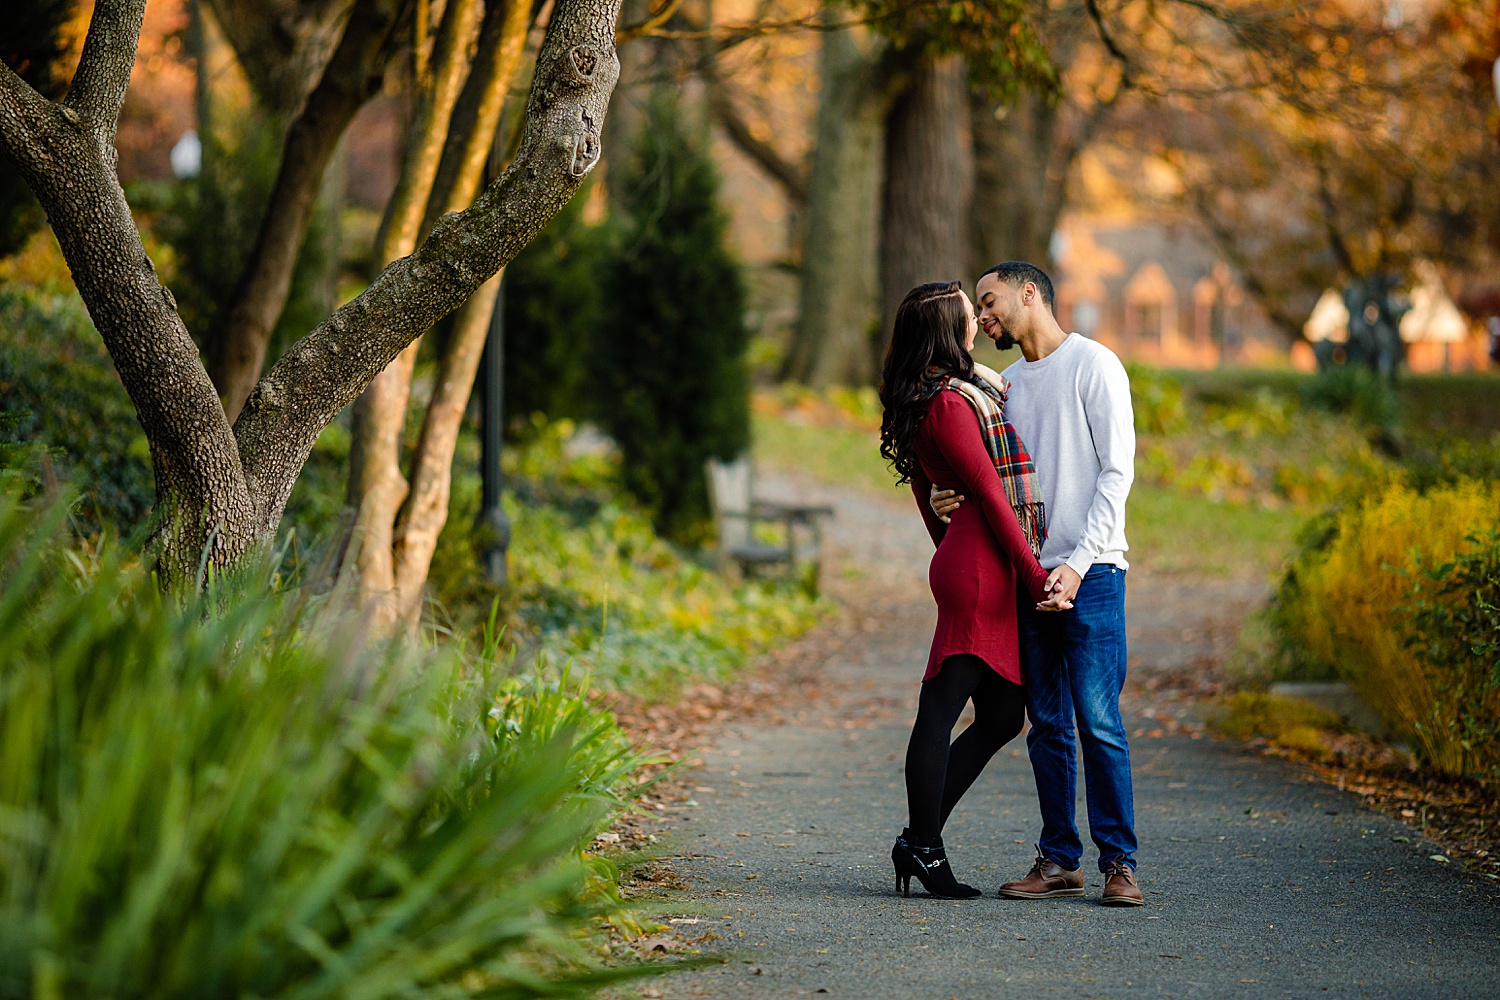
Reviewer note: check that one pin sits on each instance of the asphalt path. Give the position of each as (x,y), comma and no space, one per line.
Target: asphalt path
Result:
(1260,880)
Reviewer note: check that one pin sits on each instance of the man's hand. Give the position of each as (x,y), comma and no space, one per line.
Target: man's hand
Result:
(944,503)
(1061,587)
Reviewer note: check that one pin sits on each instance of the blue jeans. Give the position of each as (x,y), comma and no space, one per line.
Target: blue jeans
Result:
(1074,664)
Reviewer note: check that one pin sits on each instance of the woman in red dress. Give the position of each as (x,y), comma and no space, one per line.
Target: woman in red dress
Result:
(932,435)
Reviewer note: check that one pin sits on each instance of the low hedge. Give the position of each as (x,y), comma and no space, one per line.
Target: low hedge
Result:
(1395,593)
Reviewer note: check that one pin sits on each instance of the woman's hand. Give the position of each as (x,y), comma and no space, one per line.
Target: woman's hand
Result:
(1062,586)
(944,503)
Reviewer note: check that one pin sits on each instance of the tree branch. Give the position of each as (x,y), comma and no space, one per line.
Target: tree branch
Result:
(1228,243)
(282,47)
(575,74)
(1329,204)
(649,25)
(476,115)
(237,348)
(98,89)
(23,113)
(1107,38)
(791,176)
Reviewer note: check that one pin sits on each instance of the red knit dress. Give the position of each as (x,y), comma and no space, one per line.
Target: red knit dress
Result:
(981,553)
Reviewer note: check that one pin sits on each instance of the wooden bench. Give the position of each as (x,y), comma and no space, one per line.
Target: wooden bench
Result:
(737,513)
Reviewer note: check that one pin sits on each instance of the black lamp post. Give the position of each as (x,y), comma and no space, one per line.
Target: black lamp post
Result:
(492,519)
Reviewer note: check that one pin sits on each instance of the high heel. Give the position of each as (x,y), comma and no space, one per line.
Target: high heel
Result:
(931,868)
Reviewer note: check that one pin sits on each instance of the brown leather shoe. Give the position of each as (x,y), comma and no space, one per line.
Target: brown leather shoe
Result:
(1119,885)
(1046,879)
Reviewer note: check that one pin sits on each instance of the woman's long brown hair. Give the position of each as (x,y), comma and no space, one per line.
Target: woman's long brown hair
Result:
(927,342)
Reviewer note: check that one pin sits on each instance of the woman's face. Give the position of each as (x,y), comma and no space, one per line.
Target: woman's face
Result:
(971,325)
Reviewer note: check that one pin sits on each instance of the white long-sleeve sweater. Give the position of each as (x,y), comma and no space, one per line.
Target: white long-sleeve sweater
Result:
(1072,411)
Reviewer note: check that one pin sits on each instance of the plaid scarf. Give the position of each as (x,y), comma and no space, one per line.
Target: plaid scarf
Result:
(987,392)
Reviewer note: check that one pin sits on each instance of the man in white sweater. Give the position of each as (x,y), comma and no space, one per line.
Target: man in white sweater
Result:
(1070,404)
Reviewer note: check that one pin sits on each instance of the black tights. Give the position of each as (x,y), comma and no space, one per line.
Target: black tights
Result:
(937,774)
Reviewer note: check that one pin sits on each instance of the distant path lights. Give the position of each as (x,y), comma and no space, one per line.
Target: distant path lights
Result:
(492,519)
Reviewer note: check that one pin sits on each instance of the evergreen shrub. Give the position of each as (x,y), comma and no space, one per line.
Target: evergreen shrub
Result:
(553,307)
(674,381)
(234,797)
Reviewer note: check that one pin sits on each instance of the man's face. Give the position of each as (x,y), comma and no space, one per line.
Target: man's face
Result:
(1000,310)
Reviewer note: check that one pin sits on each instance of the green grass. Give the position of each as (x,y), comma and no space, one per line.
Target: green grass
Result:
(833,453)
(1173,533)
(1168,531)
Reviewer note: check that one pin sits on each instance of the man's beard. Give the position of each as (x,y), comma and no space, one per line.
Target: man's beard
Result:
(1004,341)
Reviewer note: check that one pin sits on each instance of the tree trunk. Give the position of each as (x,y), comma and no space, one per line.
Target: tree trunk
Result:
(377,489)
(66,153)
(397,527)
(838,283)
(1018,188)
(282,46)
(929,184)
(425,512)
(237,347)
(222,491)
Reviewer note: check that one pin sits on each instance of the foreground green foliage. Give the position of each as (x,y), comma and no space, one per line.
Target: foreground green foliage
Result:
(240,797)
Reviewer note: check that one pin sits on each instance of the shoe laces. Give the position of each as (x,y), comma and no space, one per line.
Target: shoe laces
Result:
(1040,864)
(1113,868)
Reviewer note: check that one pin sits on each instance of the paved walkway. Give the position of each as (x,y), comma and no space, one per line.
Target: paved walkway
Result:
(1259,881)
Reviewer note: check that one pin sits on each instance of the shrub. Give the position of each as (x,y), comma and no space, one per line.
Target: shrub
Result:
(1282,720)
(553,310)
(1239,442)
(59,391)
(1455,633)
(1156,398)
(1357,392)
(1341,602)
(674,347)
(228,798)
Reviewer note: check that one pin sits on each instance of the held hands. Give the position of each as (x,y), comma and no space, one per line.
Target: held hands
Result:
(1062,583)
(944,503)
(1061,586)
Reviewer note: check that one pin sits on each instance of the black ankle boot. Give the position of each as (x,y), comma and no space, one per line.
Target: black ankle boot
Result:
(930,866)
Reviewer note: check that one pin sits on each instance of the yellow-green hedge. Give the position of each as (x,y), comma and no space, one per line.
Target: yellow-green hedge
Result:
(1348,601)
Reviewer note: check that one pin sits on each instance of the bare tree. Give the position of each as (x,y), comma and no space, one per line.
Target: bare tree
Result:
(221,489)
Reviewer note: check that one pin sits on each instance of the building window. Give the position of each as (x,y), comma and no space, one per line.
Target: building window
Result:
(1146,322)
